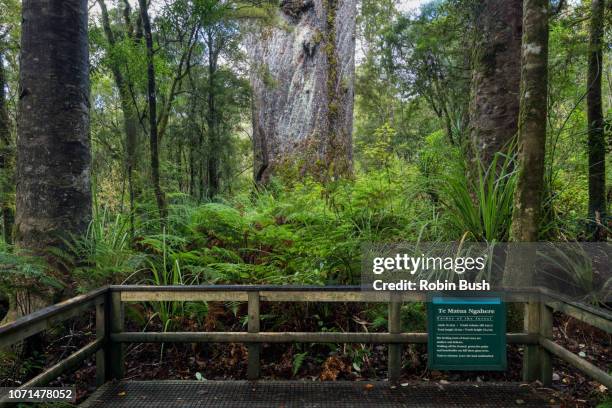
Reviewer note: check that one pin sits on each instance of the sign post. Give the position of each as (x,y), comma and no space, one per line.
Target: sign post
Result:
(466,333)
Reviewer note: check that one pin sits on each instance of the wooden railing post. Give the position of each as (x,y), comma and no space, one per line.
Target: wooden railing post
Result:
(531,354)
(102,334)
(395,350)
(546,325)
(253,368)
(116,350)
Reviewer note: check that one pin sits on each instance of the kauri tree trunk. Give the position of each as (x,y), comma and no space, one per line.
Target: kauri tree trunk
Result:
(496,74)
(303,88)
(596,137)
(53,196)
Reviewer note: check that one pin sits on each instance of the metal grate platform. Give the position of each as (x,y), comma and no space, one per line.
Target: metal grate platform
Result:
(293,394)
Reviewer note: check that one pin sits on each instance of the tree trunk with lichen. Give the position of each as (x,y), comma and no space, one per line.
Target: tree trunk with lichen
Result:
(303,89)
(496,77)
(596,139)
(53,196)
(532,122)
(527,210)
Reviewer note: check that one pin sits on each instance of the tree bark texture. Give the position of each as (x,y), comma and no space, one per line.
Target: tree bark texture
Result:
(53,197)
(496,75)
(596,136)
(532,122)
(303,89)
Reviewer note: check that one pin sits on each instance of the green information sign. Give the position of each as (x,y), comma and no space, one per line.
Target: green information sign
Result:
(466,333)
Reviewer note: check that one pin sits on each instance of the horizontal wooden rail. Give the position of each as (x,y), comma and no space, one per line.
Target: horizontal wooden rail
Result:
(66,364)
(282,293)
(72,361)
(578,312)
(45,318)
(235,288)
(265,296)
(290,337)
(578,362)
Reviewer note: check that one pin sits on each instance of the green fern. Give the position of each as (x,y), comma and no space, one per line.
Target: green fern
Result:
(298,361)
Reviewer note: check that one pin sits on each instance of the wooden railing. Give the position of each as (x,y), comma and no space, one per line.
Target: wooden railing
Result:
(111,337)
(46,318)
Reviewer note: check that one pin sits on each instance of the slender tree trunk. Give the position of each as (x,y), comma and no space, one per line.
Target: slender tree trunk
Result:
(519,271)
(596,137)
(496,73)
(7,163)
(303,86)
(192,172)
(152,98)
(130,116)
(179,164)
(202,171)
(53,197)
(532,122)
(213,135)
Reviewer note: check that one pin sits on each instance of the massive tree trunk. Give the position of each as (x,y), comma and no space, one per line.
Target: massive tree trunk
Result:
(152,99)
(494,108)
(7,165)
(53,149)
(303,86)
(596,138)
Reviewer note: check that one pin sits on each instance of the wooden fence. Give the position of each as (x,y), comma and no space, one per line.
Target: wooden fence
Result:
(109,303)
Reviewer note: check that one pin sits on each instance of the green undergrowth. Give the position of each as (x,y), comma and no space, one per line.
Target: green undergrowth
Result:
(305,233)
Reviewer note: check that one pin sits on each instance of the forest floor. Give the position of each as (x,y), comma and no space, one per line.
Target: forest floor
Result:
(330,362)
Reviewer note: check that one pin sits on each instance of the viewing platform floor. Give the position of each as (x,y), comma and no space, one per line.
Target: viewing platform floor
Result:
(311,394)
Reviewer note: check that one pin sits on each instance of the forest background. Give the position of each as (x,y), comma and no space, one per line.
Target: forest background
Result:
(254,142)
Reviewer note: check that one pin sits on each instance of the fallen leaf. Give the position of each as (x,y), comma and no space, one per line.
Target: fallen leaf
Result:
(520,402)
(368,387)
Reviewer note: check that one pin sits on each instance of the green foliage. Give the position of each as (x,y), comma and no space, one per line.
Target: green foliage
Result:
(103,255)
(298,360)
(165,270)
(481,208)
(606,403)
(21,271)
(307,233)
(379,153)
(218,221)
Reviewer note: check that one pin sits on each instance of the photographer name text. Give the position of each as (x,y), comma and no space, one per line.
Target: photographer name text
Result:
(425,285)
